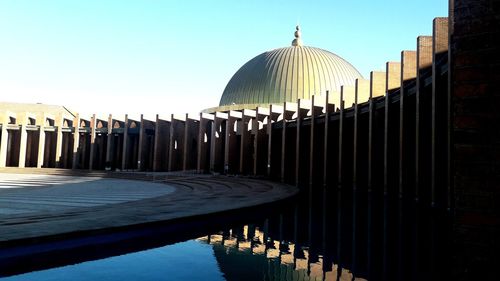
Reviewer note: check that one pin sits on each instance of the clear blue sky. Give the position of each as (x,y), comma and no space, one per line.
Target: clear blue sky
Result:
(176,56)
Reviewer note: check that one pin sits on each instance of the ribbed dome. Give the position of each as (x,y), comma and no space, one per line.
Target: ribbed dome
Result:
(288,74)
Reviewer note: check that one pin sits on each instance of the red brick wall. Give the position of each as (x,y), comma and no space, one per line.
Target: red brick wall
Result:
(475,105)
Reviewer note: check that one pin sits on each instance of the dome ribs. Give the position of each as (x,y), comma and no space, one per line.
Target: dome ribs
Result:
(288,74)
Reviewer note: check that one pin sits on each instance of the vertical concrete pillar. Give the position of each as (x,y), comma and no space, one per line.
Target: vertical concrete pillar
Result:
(83,147)
(347,137)
(341,138)
(76,142)
(303,107)
(192,142)
(3,140)
(243,128)
(256,142)
(201,132)
(422,117)
(370,144)
(29,145)
(140,152)
(110,143)
(125,143)
(246,119)
(288,111)
(439,153)
(260,141)
(59,139)
(377,89)
(185,149)
(355,136)
(156,150)
(269,131)
(41,140)
(361,89)
(316,109)
(92,142)
(230,142)
(177,141)
(65,149)
(274,113)
(390,138)
(161,144)
(339,171)
(23,143)
(393,81)
(408,72)
(204,148)
(217,144)
(361,94)
(213,143)
(229,127)
(283,144)
(171,146)
(329,109)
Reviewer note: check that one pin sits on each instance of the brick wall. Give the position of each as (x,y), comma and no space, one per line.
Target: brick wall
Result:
(475,135)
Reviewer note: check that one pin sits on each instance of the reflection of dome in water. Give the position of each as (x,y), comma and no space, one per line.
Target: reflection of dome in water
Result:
(288,74)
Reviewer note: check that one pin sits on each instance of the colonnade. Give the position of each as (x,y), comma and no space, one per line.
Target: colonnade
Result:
(390,130)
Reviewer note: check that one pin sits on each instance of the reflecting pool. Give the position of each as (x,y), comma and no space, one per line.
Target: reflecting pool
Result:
(323,234)
(190,260)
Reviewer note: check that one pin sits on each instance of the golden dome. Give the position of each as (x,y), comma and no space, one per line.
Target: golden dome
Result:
(288,74)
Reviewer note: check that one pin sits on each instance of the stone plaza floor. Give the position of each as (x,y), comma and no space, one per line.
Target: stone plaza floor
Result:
(40,203)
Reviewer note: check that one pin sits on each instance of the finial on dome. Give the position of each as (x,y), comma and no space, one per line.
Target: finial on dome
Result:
(297,41)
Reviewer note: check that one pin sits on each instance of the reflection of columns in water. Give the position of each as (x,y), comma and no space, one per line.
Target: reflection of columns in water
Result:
(284,261)
(324,220)
(260,247)
(238,234)
(266,231)
(273,249)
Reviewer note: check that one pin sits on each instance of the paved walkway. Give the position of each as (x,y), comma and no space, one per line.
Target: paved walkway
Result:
(33,206)
(26,194)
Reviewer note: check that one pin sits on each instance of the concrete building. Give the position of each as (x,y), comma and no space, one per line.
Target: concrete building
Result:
(428,131)
(35,135)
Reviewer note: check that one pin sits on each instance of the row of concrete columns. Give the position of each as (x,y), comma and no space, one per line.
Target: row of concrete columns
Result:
(386,131)
(32,139)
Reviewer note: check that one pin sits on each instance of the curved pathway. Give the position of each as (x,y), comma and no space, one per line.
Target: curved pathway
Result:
(33,206)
